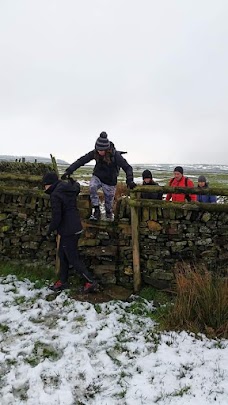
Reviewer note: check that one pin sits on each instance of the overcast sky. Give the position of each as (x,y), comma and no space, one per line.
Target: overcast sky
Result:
(153,74)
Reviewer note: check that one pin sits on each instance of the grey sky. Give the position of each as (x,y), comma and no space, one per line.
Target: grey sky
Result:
(151,73)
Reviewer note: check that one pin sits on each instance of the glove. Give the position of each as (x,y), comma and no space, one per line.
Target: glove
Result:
(131,185)
(65,175)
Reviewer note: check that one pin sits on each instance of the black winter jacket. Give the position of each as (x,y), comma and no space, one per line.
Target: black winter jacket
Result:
(107,173)
(65,214)
(151,195)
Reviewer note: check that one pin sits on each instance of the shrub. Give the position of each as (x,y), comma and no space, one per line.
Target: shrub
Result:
(201,303)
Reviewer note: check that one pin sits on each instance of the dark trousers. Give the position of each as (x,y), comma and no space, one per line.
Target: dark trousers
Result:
(69,257)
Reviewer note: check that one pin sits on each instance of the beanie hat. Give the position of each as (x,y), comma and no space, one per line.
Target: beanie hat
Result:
(102,143)
(49,178)
(146,174)
(179,169)
(202,179)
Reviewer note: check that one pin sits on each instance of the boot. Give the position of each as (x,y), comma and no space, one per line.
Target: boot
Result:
(109,216)
(91,287)
(59,286)
(96,215)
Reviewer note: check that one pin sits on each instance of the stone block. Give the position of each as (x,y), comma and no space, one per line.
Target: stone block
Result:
(145,214)
(104,269)
(153,214)
(84,213)
(103,235)
(160,284)
(154,226)
(83,204)
(125,228)
(88,242)
(206,217)
(100,251)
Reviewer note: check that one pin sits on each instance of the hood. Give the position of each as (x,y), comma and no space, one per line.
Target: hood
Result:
(206,186)
(69,187)
(152,183)
(112,148)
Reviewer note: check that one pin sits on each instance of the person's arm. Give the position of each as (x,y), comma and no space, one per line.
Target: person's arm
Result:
(121,162)
(56,208)
(193,197)
(169,195)
(79,162)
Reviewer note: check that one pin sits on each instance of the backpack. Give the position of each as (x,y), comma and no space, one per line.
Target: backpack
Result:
(187,196)
(113,159)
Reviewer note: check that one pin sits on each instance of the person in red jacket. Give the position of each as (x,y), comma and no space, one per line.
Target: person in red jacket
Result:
(179,180)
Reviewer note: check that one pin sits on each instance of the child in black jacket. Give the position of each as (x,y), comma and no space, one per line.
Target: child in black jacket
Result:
(148,181)
(66,221)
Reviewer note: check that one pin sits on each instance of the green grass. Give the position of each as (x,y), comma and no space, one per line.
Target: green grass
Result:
(214,179)
(40,352)
(4,328)
(38,275)
(201,304)
(152,294)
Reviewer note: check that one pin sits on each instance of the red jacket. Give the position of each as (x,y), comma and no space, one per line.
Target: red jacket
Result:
(182,183)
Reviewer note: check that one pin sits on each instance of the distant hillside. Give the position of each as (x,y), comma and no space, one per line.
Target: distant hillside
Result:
(10,158)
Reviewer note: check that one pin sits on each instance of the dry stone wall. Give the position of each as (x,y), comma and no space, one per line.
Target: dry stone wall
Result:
(171,237)
(167,238)
(24,216)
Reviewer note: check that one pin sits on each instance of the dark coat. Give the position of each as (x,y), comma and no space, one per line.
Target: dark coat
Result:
(151,195)
(206,198)
(65,214)
(106,172)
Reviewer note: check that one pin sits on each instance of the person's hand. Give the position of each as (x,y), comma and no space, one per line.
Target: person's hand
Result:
(131,185)
(65,175)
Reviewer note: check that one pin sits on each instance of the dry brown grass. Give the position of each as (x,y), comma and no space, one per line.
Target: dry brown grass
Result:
(121,190)
(201,303)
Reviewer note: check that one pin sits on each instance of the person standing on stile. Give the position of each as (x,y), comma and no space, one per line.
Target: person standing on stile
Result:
(108,163)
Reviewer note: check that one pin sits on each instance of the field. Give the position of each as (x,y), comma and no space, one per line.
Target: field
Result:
(216,175)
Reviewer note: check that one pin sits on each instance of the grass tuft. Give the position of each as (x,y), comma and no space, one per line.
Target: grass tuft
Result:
(201,303)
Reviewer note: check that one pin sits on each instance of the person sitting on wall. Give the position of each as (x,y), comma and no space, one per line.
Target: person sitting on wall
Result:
(202,183)
(66,220)
(179,180)
(148,181)
(105,173)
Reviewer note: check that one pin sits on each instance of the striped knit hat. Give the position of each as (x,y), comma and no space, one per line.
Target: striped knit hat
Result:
(102,143)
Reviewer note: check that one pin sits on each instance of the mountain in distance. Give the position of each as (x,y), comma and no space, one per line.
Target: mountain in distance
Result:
(31,159)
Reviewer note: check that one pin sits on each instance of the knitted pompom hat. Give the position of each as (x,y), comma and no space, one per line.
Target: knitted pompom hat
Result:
(102,143)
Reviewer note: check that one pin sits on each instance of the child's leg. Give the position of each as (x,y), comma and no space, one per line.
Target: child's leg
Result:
(63,274)
(71,250)
(94,186)
(109,194)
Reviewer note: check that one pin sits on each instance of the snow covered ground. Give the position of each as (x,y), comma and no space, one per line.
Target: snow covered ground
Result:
(61,351)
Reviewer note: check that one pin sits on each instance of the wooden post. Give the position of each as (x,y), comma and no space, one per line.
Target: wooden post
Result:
(135,248)
(57,261)
(54,164)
